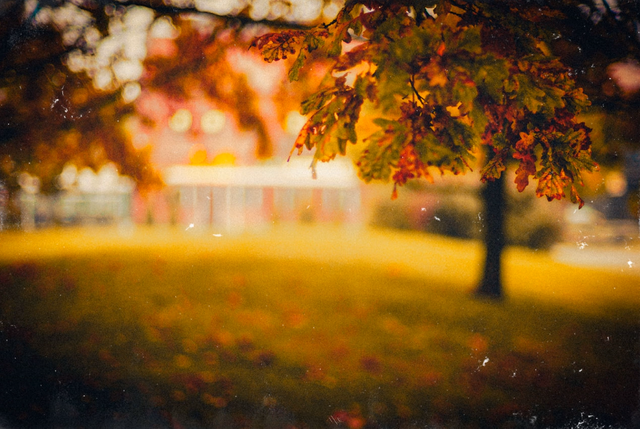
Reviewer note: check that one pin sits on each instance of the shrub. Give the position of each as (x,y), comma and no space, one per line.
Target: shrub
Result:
(392,216)
(527,223)
(456,217)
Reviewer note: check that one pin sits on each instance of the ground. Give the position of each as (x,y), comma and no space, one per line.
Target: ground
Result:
(308,327)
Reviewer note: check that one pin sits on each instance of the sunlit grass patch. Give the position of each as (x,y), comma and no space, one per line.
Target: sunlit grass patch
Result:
(376,326)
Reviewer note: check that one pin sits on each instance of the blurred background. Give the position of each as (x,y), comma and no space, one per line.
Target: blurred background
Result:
(166,261)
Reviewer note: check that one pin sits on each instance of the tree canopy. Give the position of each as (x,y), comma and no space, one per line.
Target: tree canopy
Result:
(457,85)
(446,78)
(435,68)
(71,71)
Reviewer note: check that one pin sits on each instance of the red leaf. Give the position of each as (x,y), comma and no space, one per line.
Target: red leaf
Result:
(526,168)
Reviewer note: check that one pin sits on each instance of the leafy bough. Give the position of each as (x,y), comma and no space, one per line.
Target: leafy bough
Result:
(445,86)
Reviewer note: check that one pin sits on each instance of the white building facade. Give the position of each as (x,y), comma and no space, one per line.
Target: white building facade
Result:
(234,199)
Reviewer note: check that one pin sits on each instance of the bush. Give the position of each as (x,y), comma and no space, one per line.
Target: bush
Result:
(530,222)
(527,223)
(457,217)
(392,216)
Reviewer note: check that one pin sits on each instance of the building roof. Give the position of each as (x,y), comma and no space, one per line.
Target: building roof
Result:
(337,174)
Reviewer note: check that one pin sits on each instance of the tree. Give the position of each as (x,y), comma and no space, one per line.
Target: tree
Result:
(203,69)
(67,82)
(51,115)
(453,82)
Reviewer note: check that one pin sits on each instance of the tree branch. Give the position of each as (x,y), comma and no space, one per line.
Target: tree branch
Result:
(415,91)
(242,18)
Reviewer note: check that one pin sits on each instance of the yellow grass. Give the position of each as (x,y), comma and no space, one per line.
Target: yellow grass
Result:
(373,325)
(456,263)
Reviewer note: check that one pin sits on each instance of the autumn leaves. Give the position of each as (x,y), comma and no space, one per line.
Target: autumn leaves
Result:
(443,87)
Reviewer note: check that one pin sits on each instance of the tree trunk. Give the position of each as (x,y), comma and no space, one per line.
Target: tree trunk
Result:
(493,197)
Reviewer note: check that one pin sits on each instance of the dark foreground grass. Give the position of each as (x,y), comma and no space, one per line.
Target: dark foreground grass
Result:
(310,329)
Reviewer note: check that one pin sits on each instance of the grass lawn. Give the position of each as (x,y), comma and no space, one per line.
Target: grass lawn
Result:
(308,327)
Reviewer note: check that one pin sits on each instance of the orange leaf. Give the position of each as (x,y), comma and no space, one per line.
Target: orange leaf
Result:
(438,80)
(526,141)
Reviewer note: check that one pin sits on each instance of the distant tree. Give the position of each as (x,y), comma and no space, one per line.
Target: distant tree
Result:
(51,115)
(70,72)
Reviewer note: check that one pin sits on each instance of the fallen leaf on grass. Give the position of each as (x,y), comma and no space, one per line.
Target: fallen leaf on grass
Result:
(189,346)
(371,364)
(182,361)
(478,343)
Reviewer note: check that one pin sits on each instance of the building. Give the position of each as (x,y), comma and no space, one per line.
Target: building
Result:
(85,197)
(235,199)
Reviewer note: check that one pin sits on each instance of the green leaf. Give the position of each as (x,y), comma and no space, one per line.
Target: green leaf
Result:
(528,94)
(392,86)
(424,148)
(383,122)
(365,87)
(316,101)
(577,100)
(335,48)
(554,99)
(462,135)
(494,167)
(356,27)
(464,93)
(312,42)
(382,152)
(478,118)
(469,40)
(499,142)
(294,72)
(490,76)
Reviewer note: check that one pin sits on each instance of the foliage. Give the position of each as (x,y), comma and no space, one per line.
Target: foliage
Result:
(55,109)
(204,68)
(593,35)
(445,80)
(421,58)
(279,323)
(51,116)
(75,124)
(420,86)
